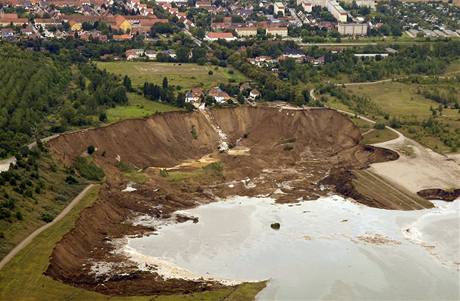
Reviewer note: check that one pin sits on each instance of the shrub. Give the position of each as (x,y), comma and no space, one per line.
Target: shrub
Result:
(71,180)
(88,170)
(379,126)
(210,72)
(164,173)
(47,217)
(194,133)
(91,149)
(19,216)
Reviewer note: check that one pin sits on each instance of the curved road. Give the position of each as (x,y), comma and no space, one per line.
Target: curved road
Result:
(34,234)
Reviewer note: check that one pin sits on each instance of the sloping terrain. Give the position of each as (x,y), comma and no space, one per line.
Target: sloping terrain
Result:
(179,160)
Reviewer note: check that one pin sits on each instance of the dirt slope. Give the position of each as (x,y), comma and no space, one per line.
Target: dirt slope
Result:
(287,154)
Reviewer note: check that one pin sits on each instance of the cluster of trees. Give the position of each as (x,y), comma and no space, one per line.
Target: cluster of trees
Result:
(164,93)
(445,98)
(40,95)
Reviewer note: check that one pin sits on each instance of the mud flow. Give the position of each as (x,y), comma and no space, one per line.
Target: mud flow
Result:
(177,161)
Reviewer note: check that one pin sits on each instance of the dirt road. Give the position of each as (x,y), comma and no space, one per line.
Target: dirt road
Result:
(34,234)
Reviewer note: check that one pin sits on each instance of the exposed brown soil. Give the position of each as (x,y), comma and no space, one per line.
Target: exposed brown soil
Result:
(440,194)
(293,155)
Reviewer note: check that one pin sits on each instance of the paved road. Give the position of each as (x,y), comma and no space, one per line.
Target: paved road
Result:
(34,234)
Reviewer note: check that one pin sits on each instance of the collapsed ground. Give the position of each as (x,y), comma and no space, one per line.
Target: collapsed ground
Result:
(179,160)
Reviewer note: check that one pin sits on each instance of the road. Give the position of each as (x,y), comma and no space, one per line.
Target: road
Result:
(34,234)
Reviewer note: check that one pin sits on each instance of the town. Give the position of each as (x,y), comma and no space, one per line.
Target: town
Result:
(305,20)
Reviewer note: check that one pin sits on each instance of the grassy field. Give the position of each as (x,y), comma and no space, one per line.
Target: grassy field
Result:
(401,100)
(22,278)
(184,75)
(138,107)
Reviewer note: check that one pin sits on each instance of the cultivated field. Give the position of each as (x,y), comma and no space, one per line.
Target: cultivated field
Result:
(184,75)
(22,278)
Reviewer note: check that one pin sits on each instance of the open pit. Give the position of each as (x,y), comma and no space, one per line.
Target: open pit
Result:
(178,161)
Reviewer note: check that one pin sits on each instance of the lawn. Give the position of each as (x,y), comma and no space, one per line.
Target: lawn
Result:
(22,278)
(184,75)
(138,107)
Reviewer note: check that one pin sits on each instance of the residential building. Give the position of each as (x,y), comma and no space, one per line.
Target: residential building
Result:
(215,36)
(254,94)
(195,96)
(246,31)
(218,95)
(277,31)
(352,29)
(337,11)
(278,8)
(132,54)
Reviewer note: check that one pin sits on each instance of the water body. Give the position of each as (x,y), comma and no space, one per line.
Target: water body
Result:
(330,248)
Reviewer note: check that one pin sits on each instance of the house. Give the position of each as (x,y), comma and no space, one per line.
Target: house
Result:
(8,19)
(246,31)
(194,96)
(215,36)
(122,24)
(151,54)
(74,25)
(260,61)
(204,4)
(277,31)
(315,61)
(7,33)
(28,31)
(294,54)
(132,54)
(121,37)
(254,94)
(218,95)
(278,8)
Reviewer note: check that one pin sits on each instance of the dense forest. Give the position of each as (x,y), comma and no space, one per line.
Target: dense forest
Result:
(41,95)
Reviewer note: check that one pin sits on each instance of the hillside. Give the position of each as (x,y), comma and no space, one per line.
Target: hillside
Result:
(40,95)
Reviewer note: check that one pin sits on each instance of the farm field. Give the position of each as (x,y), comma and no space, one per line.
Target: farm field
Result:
(138,107)
(185,76)
(23,276)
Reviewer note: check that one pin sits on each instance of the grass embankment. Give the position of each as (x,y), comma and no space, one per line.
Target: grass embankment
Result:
(138,107)
(22,278)
(372,135)
(184,75)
